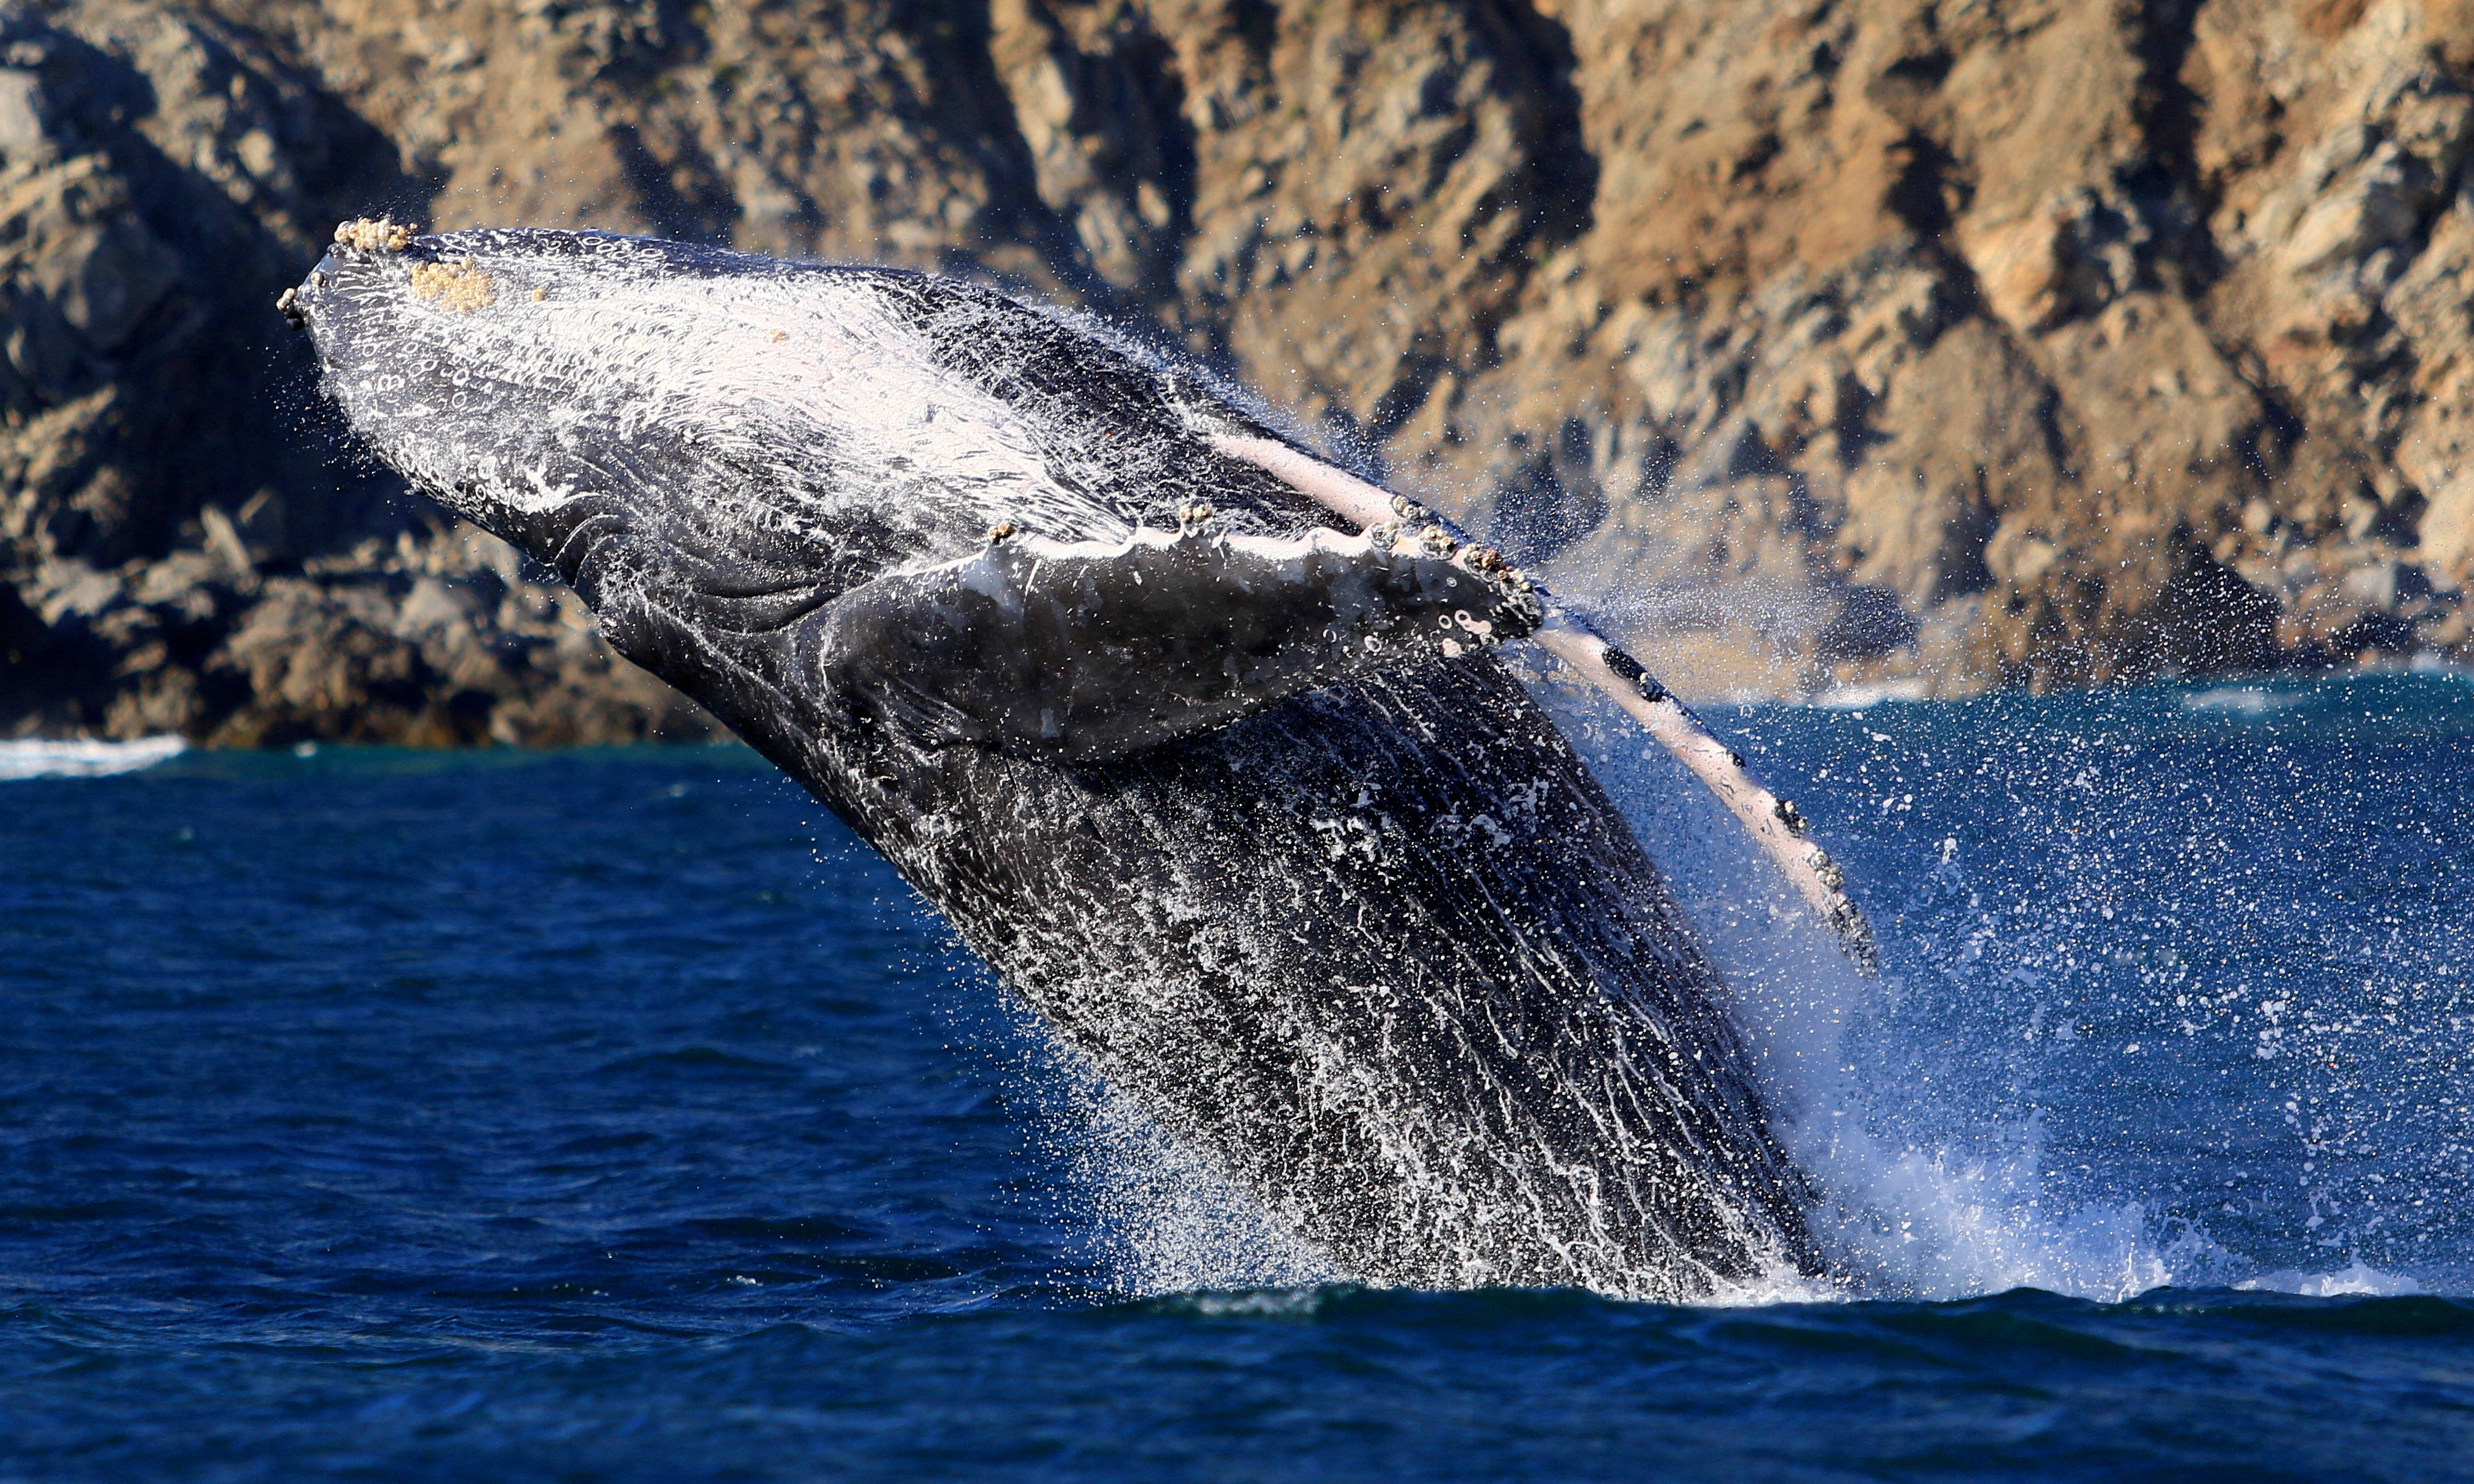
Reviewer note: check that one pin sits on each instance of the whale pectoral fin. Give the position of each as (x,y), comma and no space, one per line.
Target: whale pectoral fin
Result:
(1773,822)
(1088,652)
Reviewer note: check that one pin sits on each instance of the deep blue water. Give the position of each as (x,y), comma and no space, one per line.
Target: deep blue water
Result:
(614,1115)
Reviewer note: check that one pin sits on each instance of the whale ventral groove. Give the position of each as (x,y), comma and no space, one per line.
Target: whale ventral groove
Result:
(1233,794)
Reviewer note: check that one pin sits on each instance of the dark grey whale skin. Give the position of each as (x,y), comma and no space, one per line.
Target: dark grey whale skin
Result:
(1385,954)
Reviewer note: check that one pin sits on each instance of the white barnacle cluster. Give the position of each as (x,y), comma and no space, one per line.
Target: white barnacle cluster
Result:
(373,235)
(1433,538)
(457,285)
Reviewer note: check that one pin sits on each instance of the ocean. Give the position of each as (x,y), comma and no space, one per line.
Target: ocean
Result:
(613,1114)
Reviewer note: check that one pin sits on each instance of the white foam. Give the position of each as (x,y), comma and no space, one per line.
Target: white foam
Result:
(1256,1303)
(2240,701)
(1928,1223)
(1168,1223)
(83,758)
(2357,1279)
(1857,698)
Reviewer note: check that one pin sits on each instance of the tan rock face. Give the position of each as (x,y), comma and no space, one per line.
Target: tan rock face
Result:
(2110,343)
(1996,343)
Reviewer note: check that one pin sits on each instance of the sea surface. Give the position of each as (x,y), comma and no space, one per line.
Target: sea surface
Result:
(615,1116)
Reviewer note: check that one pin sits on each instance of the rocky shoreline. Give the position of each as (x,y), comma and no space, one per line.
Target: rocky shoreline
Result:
(433,640)
(1934,345)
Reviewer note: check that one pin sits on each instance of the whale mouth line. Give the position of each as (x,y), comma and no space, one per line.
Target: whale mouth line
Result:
(740,603)
(596,557)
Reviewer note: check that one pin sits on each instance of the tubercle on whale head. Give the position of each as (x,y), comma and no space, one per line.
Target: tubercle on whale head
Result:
(378,234)
(364,306)
(360,237)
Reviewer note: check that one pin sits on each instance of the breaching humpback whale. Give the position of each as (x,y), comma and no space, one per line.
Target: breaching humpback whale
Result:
(1193,736)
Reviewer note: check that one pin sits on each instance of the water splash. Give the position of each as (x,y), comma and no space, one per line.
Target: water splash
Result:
(1166,1223)
(1148,1217)
(2170,997)
(2116,1046)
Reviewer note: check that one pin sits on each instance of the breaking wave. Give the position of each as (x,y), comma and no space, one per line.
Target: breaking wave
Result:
(36,759)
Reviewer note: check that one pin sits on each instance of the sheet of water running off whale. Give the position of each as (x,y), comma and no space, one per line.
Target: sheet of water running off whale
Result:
(1198,739)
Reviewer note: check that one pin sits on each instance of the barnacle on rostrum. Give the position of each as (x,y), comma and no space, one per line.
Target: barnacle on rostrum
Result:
(458,285)
(373,235)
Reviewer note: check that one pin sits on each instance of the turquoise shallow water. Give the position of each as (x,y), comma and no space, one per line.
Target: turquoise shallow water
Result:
(614,1115)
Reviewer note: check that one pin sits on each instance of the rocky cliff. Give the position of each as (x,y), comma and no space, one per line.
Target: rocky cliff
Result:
(1943,345)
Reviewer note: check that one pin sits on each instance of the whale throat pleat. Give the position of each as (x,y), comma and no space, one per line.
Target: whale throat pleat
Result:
(1090,651)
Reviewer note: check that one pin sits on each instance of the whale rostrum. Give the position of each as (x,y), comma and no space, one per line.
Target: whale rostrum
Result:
(1196,739)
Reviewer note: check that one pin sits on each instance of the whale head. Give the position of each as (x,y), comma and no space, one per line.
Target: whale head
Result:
(568,389)
(738,410)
